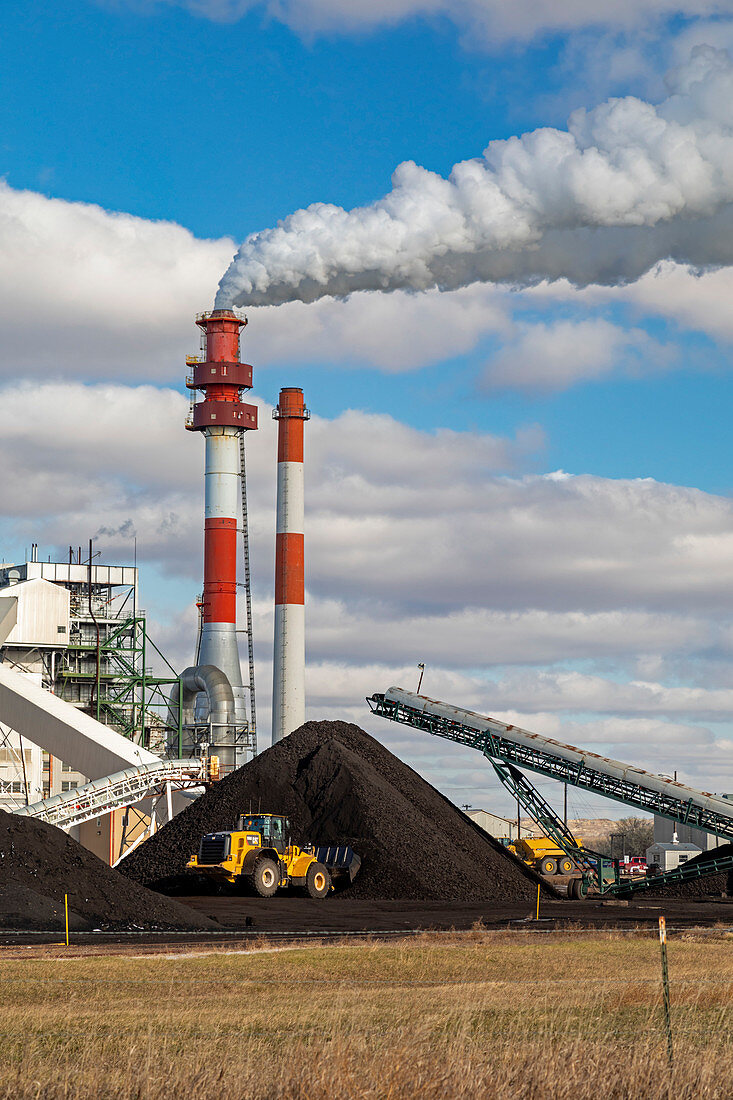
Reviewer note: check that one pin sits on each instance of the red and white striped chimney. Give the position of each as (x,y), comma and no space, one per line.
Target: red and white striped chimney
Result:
(288,689)
(222,417)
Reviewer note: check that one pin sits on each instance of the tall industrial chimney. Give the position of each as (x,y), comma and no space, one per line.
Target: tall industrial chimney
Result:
(288,683)
(223,417)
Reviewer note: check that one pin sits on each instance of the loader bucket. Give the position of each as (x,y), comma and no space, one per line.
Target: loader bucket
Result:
(340,860)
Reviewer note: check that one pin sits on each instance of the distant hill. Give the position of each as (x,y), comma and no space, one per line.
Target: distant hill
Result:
(591,829)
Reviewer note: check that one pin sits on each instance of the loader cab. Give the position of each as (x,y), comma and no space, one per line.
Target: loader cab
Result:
(274,830)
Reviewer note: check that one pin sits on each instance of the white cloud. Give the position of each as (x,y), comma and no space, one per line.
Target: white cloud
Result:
(109,295)
(543,542)
(91,456)
(494,20)
(555,355)
(687,298)
(102,293)
(701,757)
(480,636)
(424,522)
(562,691)
(394,332)
(626,185)
(525,594)
(704,32)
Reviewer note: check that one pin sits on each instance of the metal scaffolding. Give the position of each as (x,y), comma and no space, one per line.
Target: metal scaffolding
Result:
(105,671)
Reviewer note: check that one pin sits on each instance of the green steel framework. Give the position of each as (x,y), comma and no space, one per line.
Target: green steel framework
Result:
(125,693)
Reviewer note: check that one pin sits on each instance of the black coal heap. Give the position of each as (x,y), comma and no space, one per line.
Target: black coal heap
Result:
(339,785)
(39,864)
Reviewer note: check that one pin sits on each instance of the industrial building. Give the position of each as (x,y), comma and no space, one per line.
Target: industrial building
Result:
(668,857)
(665,830)
(79,633)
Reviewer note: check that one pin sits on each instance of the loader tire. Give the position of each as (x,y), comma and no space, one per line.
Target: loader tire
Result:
(565,866)
(317,881)
(265,878)
(548,866)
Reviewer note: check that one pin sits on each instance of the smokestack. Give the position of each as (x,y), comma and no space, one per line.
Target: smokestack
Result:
(222,416)
(288,686)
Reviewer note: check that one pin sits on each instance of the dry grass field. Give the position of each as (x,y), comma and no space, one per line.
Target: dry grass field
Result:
(566,1015)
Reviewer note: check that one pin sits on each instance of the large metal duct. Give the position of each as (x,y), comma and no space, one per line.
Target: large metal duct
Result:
(221,708)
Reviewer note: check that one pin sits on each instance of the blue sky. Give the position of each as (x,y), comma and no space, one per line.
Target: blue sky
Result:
(224,118)
(227,127)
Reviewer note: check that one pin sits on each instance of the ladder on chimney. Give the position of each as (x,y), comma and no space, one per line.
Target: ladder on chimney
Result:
(248,595)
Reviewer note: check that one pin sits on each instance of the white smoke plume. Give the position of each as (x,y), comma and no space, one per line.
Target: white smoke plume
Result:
(627,185)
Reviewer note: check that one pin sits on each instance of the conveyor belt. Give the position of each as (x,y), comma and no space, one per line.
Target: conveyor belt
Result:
(114,791)
(587,770)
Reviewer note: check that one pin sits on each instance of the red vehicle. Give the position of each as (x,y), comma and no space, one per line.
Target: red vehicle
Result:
(633,865)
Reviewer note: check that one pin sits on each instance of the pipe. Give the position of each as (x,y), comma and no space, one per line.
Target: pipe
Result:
(215,683)
(96,624)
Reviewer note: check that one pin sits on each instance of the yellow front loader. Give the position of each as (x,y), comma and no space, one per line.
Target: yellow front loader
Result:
(259,855)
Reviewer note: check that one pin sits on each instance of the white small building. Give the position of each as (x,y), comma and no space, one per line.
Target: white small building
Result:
(669,856)
(499,827)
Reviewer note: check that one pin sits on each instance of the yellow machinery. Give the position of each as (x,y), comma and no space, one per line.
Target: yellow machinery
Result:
(258,854)
(541,853)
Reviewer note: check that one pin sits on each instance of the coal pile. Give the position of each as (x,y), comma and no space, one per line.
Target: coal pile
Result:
(708,886)
(39,864)
(337,784)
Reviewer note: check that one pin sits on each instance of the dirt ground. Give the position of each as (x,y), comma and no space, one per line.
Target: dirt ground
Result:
(283,914)
(243,919)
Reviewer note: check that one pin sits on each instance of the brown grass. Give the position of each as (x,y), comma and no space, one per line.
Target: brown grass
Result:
(499,1016)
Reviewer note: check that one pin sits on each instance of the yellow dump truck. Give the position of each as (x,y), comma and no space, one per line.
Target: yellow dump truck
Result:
(258,854)
(541,853)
